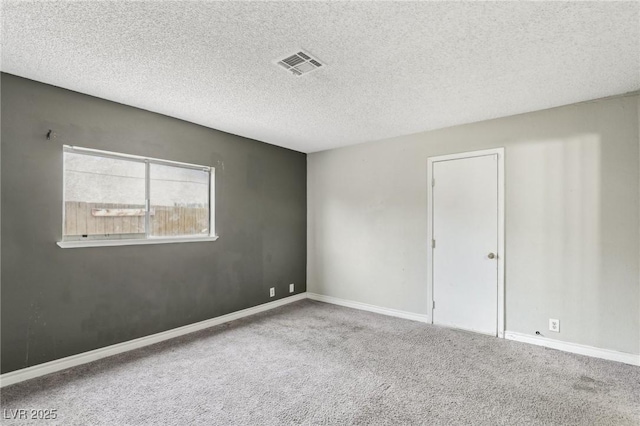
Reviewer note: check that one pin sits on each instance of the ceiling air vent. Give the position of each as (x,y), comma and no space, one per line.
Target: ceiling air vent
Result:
(300,63)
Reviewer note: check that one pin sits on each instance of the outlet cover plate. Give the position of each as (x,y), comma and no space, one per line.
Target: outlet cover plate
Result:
(272,291)
(554,325)
(291,288)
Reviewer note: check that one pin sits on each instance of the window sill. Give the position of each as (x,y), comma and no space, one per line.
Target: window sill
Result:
(111,243)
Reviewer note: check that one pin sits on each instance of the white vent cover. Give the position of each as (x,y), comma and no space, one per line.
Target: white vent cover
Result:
(300,63)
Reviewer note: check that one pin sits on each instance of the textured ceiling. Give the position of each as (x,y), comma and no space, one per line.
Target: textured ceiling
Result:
(393,68)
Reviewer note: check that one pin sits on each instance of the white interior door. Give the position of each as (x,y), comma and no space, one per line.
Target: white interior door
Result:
(465,230)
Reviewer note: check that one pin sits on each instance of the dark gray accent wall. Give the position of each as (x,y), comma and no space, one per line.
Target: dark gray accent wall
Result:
(59,302)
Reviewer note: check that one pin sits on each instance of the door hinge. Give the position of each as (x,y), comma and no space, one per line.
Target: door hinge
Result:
(434,305)
(433,182)
(433,243)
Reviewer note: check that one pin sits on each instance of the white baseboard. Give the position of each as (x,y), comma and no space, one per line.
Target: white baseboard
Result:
(370,308)
(575,348)
(85,357)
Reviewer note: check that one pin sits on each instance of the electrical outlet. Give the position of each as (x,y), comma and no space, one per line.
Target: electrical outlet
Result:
(291,288)
(272,291)
(554,325)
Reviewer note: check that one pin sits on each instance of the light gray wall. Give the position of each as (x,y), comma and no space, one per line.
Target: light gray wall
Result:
(58,302)
(572,221)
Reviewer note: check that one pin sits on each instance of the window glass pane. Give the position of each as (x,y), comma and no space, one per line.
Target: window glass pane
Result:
(103,196)
(179,201)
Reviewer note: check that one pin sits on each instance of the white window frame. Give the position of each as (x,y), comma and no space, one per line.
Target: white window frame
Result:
(118,240)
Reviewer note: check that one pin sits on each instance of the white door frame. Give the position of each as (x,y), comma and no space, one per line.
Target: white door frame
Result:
(501,243)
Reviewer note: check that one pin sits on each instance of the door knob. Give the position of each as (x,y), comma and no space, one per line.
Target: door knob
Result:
(492,256)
